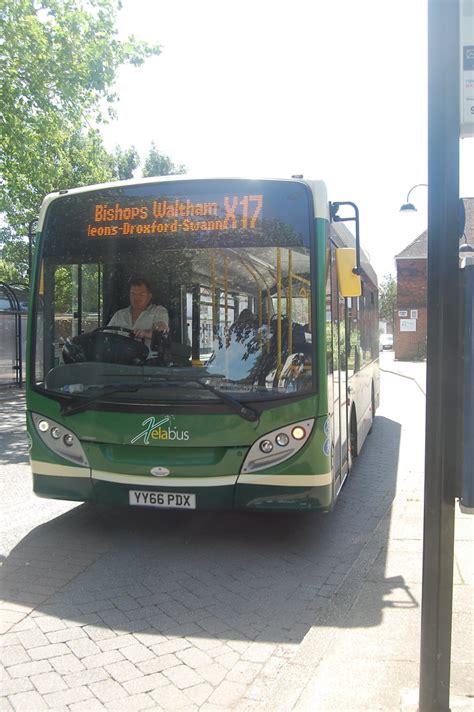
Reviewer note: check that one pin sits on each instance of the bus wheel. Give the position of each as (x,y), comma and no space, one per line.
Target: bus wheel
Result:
(353,436)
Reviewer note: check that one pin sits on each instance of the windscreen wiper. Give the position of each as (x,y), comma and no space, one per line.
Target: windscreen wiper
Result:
(245,411)
(81,403)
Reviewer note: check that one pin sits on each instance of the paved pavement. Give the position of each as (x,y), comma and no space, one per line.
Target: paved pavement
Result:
(412,370)
(108,609)
(350,665)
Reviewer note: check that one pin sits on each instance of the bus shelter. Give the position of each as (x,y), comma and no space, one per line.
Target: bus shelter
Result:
(13,315)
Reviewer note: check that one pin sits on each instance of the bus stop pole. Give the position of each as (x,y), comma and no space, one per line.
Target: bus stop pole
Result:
(443,352)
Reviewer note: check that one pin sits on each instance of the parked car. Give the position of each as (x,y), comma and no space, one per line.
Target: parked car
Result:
(386,342)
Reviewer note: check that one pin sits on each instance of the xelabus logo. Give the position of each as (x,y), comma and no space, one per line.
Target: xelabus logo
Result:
(160,430)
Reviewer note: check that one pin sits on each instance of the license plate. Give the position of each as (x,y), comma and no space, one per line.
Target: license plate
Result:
(168,500)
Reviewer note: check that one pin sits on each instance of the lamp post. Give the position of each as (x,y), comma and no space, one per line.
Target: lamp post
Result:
(409,207)
(443,356)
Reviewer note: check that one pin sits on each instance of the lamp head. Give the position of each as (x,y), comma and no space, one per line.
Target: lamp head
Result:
(408,208)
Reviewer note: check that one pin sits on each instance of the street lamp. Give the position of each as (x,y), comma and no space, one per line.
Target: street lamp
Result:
(409,207)
(465,248)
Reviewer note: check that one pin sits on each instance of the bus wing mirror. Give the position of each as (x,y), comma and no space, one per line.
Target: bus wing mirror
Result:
(349,280)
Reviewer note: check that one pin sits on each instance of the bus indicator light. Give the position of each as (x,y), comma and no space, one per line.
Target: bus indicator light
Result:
(55,433)
(43,426)
(298,432)
(266,446)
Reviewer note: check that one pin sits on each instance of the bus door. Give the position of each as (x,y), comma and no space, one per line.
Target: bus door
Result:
(339,376)
(343,394)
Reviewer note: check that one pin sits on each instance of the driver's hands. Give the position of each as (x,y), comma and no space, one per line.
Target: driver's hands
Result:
(161,326)
(147,333)
(142,333)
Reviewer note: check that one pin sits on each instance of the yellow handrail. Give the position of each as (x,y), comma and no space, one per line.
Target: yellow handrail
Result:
(289,302)
(278,311)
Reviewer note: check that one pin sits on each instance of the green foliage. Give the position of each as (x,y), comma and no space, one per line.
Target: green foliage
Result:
(158,164)
(13,257)
(58,63)
(126,161)
(63,282)
(388,298)
(81,160)
(9,273)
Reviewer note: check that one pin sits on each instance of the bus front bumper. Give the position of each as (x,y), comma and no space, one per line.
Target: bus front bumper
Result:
(262,492)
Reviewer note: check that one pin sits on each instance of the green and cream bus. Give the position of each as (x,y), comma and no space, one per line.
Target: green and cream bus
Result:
(217,412)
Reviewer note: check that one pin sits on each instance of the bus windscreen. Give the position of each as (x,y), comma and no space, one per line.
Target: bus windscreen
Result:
(224,267)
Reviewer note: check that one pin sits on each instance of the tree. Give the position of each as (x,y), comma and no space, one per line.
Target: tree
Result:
(82,160)
(58,62)
(158,164)
(9,274)
(13,257)
(126,161)
(388,299)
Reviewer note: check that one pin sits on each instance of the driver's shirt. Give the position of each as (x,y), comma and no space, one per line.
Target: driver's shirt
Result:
(148,319)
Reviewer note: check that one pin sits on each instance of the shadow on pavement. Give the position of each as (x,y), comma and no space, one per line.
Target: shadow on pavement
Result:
(233,576)
(13,441)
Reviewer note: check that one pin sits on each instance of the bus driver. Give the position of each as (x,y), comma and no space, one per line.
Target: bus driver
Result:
(141,316)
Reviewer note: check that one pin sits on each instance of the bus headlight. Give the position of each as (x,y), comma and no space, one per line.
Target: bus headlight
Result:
(289,440)
(60,440)
(282,439)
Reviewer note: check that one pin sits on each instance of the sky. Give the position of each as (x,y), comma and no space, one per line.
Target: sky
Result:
(332,89)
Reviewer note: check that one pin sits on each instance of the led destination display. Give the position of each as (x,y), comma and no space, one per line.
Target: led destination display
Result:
(93,225)
(180,215)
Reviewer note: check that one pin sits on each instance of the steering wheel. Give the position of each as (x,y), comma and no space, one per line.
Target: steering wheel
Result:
(105,345)
(129,332)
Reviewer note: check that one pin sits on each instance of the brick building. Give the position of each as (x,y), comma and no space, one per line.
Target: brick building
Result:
(412,271)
